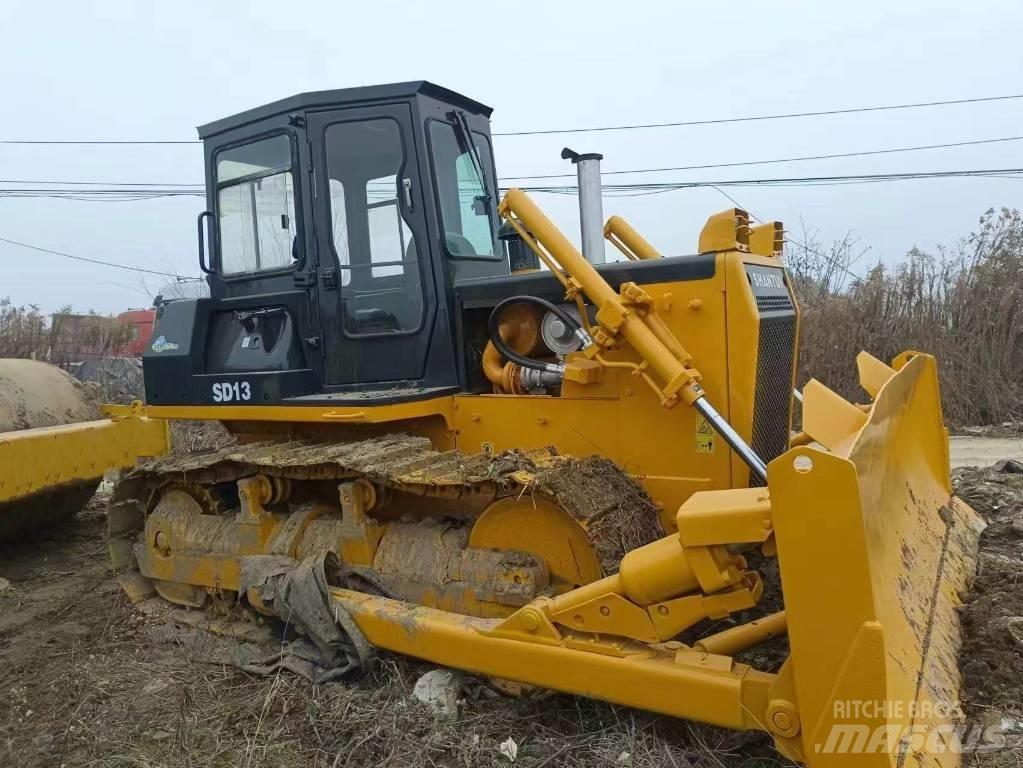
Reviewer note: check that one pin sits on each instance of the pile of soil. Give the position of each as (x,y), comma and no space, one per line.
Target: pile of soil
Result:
(991,659)
(35,394)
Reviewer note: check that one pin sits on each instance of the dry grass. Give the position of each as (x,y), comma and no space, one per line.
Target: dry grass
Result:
(146,712)
(218,717)
(964,305)
(62,338)
(192,436)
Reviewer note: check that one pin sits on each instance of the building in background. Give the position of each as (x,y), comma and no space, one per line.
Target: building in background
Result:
(140,322)
(75,337)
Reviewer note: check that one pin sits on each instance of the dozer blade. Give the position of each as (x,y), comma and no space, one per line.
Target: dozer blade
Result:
(47,474)
(875,553)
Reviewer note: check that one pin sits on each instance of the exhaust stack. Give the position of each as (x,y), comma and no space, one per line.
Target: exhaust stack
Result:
(591,206)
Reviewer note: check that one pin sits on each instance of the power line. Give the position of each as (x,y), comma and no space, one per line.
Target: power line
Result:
(125,194)
(592,129)
(92,261)
(99,195)
(704,166)
(864,153)
(105,183)
(790,181)
(751,118)
(622,189)
(789,239)
(100,141)
(737,204)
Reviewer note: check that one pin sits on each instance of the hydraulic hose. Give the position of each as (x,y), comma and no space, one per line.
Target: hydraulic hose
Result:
(511,355)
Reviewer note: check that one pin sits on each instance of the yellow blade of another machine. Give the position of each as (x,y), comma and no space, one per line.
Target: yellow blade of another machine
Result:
(875,554)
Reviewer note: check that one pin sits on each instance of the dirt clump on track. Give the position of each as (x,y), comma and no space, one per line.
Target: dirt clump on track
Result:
(195,436)
(991,659)
(619,514)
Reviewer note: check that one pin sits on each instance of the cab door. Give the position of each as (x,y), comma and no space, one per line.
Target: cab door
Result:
(255,339)
(375,289)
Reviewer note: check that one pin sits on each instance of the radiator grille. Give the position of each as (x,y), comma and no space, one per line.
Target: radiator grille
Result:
(772,397)
(774,304)
(772,394)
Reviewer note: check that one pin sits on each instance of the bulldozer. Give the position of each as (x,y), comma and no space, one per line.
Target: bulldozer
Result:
(461,438)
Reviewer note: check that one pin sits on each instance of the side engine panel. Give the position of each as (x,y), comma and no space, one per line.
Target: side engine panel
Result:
(228,351)
(733,312)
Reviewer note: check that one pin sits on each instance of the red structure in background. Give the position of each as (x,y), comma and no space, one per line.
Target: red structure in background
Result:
(141,322)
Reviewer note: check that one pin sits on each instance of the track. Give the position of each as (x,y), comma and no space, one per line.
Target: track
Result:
(416,481)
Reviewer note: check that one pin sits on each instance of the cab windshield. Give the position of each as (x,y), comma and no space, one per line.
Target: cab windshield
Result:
(467,207)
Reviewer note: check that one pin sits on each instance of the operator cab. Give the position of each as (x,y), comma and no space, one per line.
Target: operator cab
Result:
(337,223)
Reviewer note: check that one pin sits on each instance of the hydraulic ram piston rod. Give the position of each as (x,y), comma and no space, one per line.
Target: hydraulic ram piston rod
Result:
(735,442)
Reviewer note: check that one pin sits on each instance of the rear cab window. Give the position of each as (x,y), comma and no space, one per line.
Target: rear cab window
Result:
(256,219)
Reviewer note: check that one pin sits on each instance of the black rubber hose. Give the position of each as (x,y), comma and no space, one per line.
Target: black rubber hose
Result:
(509,354)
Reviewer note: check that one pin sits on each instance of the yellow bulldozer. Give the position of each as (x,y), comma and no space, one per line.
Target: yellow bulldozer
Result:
(463,439)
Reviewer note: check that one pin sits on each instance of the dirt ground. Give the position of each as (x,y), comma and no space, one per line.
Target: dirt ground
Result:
(88,680)
(991,659)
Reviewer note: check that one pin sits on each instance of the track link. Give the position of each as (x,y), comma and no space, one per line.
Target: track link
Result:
(603,498)
(418,539)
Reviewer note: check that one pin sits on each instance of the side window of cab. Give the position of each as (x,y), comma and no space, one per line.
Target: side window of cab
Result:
(256,218)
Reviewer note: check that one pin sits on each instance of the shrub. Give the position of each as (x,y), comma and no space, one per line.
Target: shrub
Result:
(964,305)
(65,339)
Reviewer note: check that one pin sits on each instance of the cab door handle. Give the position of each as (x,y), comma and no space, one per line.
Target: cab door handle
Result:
(406,186)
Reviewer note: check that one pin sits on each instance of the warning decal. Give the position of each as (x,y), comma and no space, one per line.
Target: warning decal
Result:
(704,435)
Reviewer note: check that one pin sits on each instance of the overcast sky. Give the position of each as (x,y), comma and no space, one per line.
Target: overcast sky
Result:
(110,70)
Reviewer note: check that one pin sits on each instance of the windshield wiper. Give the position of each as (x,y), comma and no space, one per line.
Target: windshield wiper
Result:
(481,204)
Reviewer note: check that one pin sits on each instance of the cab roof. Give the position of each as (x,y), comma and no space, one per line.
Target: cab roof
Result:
(342,98)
